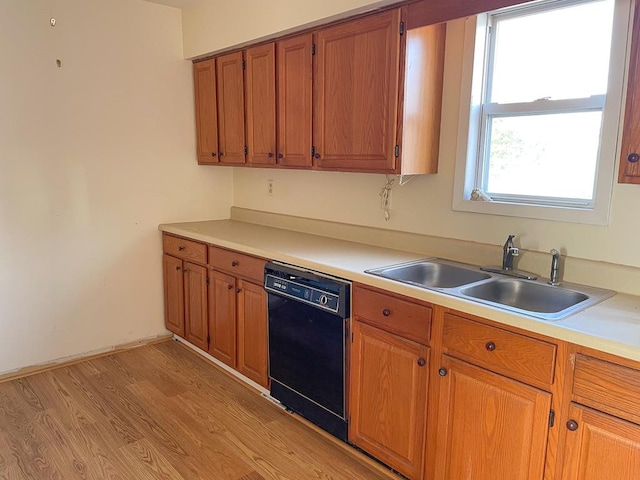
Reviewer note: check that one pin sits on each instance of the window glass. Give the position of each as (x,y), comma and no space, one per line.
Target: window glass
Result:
(555,54)
(544,155)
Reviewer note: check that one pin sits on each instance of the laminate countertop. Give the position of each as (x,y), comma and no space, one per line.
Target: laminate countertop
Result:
(611,326)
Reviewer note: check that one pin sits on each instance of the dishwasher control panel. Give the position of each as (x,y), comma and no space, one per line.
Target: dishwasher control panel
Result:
(294,288)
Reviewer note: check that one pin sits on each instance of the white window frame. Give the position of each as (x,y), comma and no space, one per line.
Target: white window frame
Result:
(471,127)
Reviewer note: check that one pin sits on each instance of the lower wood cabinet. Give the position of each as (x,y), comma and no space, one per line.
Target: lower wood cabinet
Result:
(389,371)
(388,404)
(219,304)
(600,446)
(185,292)
(489,426)
(238,313)
(602,426)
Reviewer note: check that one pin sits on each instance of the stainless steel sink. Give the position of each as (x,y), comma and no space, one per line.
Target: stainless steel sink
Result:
(431,273)
(528,297)
(532,297)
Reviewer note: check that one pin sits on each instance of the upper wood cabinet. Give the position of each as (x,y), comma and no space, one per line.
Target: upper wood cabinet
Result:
(356,94)
(295,90)
(204,80)
(231,135)
(260,96)
(363,96)
(630,154)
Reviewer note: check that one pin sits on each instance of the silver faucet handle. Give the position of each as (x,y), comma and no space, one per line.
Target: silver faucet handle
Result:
(514,251)
(554,252)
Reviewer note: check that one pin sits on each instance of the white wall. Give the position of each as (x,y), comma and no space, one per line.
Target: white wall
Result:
(214,25)
(93,156)
(424,205)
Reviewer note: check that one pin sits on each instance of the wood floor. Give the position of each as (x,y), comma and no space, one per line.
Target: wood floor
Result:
(156,412)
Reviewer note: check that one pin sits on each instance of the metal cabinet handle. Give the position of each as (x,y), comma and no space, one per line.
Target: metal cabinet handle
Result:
(572,425)
(181,248)
(234,264)
(178,268)
(421,362)
(220,153)
(238,290)
(386,312)
(490,346)
(633,157)
(270,155)
(229,287)
(317,156)
(280,155)
(442,372)
(213,154)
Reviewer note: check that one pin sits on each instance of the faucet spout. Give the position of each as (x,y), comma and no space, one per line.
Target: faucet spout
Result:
(508,252)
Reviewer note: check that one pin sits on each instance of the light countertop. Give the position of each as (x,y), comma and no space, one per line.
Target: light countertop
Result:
(612,326)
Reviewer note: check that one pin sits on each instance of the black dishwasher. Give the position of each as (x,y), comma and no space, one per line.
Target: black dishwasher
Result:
(308,328)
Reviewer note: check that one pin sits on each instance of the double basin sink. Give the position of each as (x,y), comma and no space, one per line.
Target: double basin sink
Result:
(530,297)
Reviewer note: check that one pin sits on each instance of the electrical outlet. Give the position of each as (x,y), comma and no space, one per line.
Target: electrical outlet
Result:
(270,187)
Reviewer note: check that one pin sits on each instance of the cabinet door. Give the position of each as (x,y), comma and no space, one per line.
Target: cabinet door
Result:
(222,317)
(260,88)
(388,400)
(490,426)
(173,294)
(252,332)
(629,171)
(295,93)
(356,102)
(204,81)
(601,447)
(195,306)
(231,142)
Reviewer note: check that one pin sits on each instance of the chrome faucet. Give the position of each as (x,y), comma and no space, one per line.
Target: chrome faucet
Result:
(508,252)
(555,268)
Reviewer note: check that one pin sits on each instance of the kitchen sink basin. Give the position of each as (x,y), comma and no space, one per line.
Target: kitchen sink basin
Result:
(431,273)
(529,297)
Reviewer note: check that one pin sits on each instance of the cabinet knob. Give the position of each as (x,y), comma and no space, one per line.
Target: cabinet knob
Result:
(280,155)
(421,362)
(572,425)
(181,248)
(386,312)
(270,155)
(234,264)
(442,372)
(220,153)
(229,287)
(238,290)
(178,268)
(633,157)
(184,270)
(317,156)
(490,346)
(213,154)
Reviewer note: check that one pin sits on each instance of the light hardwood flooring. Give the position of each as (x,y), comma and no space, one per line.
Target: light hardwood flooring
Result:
(157,412)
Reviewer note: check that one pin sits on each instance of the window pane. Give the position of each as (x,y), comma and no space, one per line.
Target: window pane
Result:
(559,53)
(553,155)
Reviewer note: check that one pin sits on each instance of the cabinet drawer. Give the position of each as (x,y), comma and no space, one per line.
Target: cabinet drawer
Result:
(183,248)
(237,263)
(607,386)
(511,354)
(407,319)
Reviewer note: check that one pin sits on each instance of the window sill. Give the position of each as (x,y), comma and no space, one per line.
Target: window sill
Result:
(540,212)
